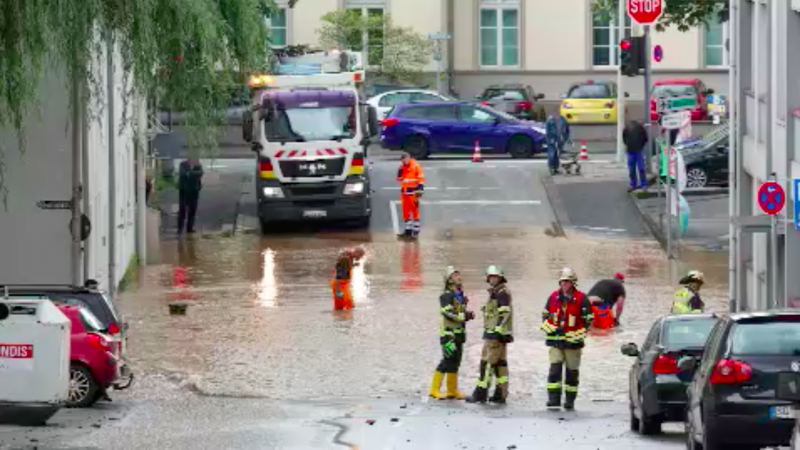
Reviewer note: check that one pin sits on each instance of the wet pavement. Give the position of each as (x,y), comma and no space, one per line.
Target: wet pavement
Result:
(260,360)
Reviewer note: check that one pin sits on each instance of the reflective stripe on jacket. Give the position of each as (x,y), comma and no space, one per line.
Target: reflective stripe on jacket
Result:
(567,321)
(452,316)
(497,314)
(410,177)
(687,301)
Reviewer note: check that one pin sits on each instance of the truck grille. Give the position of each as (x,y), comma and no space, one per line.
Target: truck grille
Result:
(305,191)
(317,168)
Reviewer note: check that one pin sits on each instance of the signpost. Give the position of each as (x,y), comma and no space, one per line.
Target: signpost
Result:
(674,104)
(797,203)
(771,200)
(645,12)
(54,204)
(438,55)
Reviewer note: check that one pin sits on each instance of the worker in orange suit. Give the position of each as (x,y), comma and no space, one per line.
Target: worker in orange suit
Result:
(340,284)
(412,183)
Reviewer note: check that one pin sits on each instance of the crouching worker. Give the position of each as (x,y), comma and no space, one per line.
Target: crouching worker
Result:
(340,285)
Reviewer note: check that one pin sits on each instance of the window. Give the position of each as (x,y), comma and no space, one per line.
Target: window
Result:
(443,112)
(476,115)
(414,113)
(499,33)
(674,90)
(504,94)
(395,99)
(685,334)
(605,41)
(278,29)
(425,97)
(90,322)
(716,34)
(776,338)
(372,40)
(591,91)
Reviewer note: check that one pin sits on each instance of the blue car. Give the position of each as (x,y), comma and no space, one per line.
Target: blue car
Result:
(423,129)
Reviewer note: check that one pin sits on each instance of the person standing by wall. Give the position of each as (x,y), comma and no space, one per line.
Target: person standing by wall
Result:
(634,136)
(189,185)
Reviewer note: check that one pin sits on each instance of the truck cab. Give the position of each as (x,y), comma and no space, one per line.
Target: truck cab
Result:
(311,131)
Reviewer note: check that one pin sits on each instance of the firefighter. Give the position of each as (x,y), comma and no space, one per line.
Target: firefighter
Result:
(687,298)
(497,334)
(340,285)
(567,317)
(412,183)
(453,316)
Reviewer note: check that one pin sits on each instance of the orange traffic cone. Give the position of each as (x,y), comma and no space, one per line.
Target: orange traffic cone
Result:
(584,153)
(476,155)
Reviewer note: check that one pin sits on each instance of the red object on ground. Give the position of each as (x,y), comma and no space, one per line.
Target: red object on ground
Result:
(342,297)
(603,318)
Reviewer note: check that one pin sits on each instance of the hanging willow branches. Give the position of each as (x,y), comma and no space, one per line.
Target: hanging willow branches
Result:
(190,54)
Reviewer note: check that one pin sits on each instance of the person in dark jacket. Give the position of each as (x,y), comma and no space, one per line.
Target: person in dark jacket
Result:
(189,186)
(634,136)
(557,134)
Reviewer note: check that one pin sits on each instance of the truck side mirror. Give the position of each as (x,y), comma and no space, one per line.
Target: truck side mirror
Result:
(788,387)
(539,96)
(372,121)
(247,126)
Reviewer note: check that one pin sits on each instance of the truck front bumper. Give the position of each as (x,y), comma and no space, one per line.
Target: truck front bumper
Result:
(313,201)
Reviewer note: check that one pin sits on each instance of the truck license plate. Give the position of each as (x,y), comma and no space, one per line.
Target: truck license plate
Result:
(315,213)
(781,412)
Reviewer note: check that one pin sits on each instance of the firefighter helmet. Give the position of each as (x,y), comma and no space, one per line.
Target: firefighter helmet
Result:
(496,271)
(568,274)
(449,272)
(694,276)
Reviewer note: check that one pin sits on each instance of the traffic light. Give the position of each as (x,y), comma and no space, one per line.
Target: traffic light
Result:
(625,58)
(632,56)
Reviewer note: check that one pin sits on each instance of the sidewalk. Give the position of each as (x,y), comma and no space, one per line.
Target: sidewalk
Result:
(709,220)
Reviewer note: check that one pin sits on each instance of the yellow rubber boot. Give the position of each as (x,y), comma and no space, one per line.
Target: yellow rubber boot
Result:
(436,384)
(452,387)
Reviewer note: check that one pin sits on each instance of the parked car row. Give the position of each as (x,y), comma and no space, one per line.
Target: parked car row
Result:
(98,340)
(720,375)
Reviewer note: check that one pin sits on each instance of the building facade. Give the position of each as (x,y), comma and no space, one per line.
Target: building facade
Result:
(547,44)
(766,141)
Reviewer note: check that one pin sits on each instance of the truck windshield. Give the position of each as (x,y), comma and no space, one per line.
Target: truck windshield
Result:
(304,124)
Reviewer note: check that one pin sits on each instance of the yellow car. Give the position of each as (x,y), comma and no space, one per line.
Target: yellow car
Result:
(590,102)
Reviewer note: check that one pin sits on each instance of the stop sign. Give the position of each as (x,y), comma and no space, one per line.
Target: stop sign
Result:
(645,12)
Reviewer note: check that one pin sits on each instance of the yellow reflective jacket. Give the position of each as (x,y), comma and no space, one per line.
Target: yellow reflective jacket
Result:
(687,301)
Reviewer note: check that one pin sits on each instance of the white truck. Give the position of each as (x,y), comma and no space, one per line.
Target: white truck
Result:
(311,128)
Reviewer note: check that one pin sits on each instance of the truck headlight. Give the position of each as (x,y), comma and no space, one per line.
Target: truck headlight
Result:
(273,192)
(354,188)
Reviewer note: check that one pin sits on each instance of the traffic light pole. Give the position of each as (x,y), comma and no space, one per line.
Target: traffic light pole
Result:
(621,119)
(648,125)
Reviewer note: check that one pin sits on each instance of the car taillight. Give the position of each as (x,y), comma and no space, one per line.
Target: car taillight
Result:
(728,371)
(665,365)
(652,105)
(97,341)
(113,328)
(525,105)
(265,165)
(610,105)
(486,104)
(390,122)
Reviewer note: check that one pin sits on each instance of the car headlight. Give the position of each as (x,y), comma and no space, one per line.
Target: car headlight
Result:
(354,188)
(273,192)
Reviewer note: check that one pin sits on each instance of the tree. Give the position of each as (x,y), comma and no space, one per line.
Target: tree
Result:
(189,53)
(683,14)
(398,53)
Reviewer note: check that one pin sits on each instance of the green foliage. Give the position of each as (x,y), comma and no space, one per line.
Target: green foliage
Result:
(399,53)
(190,54)
(683,14)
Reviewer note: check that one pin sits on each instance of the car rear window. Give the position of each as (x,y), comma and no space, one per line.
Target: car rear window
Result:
(687,333)
(590,91)
(504,94)
(90,322)
(668,90)
(412,113)
(780,338)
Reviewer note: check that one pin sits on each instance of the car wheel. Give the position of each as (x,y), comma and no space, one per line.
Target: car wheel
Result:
(416,146)
(82,387)
(520,147)
(648,426)
(696,177)
(265,226)
(710,439)
(634,419)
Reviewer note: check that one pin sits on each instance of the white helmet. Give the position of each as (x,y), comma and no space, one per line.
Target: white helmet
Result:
(494,270)
(694,276)
(449,272)
(568,274)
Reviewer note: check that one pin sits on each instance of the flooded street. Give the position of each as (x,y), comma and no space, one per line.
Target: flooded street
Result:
(260,320)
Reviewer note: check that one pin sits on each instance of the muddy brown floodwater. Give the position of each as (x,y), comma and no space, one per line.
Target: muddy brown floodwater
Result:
(259,320)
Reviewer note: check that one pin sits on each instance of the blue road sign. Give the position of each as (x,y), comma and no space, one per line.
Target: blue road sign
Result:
(797,203)
(658,53)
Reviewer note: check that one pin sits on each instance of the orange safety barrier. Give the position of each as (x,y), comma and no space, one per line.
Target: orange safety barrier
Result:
(342,297)
(603,317)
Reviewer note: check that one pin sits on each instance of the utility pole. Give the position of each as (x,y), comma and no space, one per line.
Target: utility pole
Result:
(648,125)
(621,14)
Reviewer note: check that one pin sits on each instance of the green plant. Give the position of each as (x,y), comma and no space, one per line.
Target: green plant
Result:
(405,53)
(187,53)
(683,14)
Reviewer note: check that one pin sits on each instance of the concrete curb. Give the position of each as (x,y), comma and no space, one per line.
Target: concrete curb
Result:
(652,225)
(689,192)
(562,219)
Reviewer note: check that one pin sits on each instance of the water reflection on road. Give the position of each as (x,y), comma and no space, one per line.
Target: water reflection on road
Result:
(259,320)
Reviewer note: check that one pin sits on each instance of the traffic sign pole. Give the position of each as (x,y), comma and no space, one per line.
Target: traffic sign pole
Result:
(621,119)
(773,271)
(648,124)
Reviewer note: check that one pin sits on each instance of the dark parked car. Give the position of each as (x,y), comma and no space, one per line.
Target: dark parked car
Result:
(789,390)
(706,159)
(657,394)
(732,399)
(425,128)
(517,100)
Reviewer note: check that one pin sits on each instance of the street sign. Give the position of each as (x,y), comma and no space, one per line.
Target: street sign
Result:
(771,198)
(658,53)
(54,204)
(797,203)
(439,37)
(674,104)
(671,121)
(645,12)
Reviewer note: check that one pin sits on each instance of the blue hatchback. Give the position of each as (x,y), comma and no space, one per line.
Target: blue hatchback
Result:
(456,127)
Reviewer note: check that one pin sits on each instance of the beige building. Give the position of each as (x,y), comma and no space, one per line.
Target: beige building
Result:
(545,43)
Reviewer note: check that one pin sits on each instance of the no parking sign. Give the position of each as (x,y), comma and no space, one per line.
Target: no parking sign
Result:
(771,198)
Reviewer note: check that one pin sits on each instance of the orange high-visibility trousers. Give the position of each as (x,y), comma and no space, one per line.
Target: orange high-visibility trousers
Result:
(342,297)
(411,212)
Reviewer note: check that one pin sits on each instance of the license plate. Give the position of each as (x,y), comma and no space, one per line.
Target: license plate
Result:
(315,213)
(781,412)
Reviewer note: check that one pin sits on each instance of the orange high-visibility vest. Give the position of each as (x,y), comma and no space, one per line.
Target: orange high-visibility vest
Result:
(410,177)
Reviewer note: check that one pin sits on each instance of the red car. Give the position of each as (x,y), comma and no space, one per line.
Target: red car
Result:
(679,87)
(95,364)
